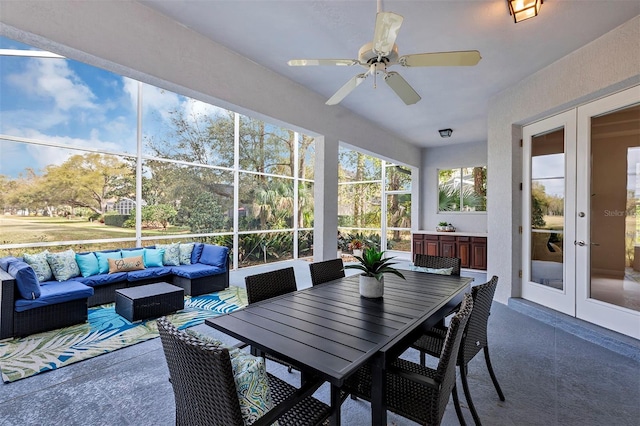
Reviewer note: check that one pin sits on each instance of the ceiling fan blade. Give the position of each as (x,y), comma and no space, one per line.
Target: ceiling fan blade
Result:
(346,89)
(308,62)
(402,88)
(441,59)
(387,27)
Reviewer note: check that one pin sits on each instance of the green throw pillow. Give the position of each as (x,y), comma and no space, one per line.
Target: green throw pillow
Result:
(185,253)
(63,265)
(439,271)
(252,381)
(171,254)
(40,265)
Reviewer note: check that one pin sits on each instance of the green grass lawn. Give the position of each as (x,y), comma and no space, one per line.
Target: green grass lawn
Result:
(32,229)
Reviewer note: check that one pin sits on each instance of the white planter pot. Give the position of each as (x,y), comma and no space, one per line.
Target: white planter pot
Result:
(357,252)
(370,287)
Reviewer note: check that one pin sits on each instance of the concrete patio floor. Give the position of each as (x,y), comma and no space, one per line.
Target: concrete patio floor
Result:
(549,377)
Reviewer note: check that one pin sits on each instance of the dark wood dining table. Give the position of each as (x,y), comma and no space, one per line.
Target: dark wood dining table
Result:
(328,331)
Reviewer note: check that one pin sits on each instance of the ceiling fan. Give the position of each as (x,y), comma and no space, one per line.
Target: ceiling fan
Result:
(382,53)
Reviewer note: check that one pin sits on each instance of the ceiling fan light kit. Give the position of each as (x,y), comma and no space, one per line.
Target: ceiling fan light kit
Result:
(380,54)
(524,9)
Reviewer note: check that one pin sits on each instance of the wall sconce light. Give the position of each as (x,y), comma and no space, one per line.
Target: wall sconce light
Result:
(445,133)
(524,9)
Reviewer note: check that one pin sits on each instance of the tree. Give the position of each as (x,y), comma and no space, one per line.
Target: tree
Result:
(88,180)
(202,214)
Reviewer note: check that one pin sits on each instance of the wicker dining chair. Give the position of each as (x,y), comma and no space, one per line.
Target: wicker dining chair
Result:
(270,284)
(416,392)
(205,391)
(328,270)
(267,285)
(438,262)
(473,340)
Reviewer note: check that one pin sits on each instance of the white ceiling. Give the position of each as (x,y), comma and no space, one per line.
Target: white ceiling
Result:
(270,32)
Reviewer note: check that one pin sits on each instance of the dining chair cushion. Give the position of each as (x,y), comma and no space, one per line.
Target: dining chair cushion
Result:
(250,375)
(439,271)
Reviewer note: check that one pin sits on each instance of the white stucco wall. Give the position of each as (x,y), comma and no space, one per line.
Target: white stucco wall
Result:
(604,66)
(447,157)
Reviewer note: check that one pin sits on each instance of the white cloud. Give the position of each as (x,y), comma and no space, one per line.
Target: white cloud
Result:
(53,79)
(193,109)
(157,100)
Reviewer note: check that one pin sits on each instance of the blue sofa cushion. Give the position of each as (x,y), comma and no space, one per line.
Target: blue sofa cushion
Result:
(103,260)
(214,255)
(197,270)
(148,273)
(39,264)
(26,280)
(56,292)
(6,261)
(101,279)
(197,251)
(88,264)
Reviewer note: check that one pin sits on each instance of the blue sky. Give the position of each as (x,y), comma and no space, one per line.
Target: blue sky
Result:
(69,103)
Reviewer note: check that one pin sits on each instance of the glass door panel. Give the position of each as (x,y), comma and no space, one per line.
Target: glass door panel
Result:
(547,209)
(548,198)
(608,203)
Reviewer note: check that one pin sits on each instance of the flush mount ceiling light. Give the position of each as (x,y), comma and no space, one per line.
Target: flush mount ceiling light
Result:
(445,133)
(524,9)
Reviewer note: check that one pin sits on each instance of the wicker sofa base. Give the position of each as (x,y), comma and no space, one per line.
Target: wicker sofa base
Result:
(105,293)
(203,285)
(49,317)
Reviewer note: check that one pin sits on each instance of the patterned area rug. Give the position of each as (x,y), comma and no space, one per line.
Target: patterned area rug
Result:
(105,332)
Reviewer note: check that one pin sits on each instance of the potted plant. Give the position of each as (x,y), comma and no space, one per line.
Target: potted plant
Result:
(374,267)
(356,246)
(442,226)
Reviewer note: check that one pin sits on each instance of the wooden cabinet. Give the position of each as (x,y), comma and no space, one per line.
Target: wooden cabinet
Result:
(472,251)
(431,245)
(448,246)
(479,253)
(464,251)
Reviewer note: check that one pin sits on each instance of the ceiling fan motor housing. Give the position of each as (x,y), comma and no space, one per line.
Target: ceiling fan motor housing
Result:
(366,55)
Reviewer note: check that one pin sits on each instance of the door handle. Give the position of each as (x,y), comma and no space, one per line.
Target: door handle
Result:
(582,243)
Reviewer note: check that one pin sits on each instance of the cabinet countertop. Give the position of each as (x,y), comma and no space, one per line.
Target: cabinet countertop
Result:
(456,233)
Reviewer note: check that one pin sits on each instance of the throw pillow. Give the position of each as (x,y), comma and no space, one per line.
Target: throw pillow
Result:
(252,385)
(126,264)
(214,255)
(185,253)
(88,264)
(26,279)
(250,375)
(63,265)
(439,271)
(39,264)
(103,260)
(171,254)
(132,253)
(153,257)
(205,338)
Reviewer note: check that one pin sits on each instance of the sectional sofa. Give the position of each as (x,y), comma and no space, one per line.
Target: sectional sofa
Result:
(51,290)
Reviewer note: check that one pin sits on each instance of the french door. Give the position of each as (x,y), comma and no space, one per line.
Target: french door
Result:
(581,253)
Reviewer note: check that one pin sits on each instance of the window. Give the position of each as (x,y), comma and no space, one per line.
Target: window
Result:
(69,162)
(462,190)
